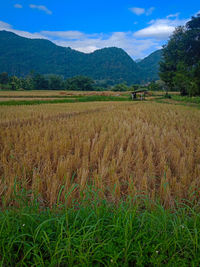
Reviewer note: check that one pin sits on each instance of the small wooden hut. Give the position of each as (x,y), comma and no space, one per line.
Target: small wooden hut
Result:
(141,92)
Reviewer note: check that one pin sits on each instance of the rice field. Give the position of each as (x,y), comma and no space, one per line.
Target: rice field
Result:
(3,99)
(120,149)
(55,93)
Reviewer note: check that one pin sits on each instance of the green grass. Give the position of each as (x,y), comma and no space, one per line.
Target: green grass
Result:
(186,99)
(42,96)
(56,101)
(97,233)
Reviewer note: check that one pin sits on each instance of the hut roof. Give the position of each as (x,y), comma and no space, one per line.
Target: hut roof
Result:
(139,91)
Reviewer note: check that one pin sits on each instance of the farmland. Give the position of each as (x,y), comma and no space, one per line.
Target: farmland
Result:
(120,149)
(101,160)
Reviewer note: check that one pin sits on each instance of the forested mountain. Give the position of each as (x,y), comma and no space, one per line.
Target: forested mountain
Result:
(150,66)
(19,56)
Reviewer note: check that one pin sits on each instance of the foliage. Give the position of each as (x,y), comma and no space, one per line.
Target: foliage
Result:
(79,83)
(180,67)
(156,86)
(56,82)
(4,79)
(186,99)
(39,82)
(15,83)
(36,81)
(120,87)
(97,233)
(149,67)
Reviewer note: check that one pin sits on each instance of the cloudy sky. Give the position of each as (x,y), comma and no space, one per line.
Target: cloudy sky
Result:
(139,27)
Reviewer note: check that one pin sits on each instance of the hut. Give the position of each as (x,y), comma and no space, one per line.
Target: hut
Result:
(141,92)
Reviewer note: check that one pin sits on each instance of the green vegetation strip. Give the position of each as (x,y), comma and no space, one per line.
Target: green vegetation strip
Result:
(186,99)
(42,96)
(56,101)
(97,233)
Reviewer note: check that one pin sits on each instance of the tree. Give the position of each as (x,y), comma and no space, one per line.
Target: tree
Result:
(4,79)
(15,83)
(120,87)
(171,56)
(180,65)
(56,82)
(156,86)
(79,83)
(39,82)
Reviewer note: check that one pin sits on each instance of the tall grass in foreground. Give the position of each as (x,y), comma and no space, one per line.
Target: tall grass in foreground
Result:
(98,233)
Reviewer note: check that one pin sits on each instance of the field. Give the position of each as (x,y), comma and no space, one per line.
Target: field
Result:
(13,98)
(95,165)
(55,94)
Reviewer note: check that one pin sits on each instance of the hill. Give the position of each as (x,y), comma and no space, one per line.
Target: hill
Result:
(19,56)
(149,66)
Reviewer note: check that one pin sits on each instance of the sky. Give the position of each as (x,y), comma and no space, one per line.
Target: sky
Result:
(139,27)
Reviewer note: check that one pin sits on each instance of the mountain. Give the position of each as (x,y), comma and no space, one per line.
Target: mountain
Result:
(149,66)
(19,56)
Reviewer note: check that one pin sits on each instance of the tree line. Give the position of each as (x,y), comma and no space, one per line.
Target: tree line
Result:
(35,81)
(180,65)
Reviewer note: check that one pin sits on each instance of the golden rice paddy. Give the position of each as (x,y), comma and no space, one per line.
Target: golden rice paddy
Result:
(120,149)
(55,93)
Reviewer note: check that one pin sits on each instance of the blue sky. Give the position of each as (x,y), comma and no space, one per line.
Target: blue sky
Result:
(139,27)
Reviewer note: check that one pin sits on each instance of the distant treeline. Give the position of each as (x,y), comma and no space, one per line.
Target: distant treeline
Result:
(180,67)
(35,81)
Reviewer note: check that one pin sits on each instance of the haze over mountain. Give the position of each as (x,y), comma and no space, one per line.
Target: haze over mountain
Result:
(19,56)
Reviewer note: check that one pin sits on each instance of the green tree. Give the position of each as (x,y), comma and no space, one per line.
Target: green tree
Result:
(4,79)
(172,53)
(120,87)
(39,82)
(26,83)
(79,83)
(180,65)
(15,83)
(56,82)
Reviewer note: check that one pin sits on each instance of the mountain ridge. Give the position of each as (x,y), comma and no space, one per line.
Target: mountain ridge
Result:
(20,55)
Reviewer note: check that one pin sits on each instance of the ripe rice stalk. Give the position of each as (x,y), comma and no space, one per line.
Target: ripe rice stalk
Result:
(120,149)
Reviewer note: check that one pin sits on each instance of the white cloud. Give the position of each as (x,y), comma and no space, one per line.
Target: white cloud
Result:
(125,40)
(42,8)
(198,13)
(137,44)
(137,10)
(160,29)
(150,11)
(18,6)
(173,15)
(7,27)
(88,43)
(140,11)
(71,35)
